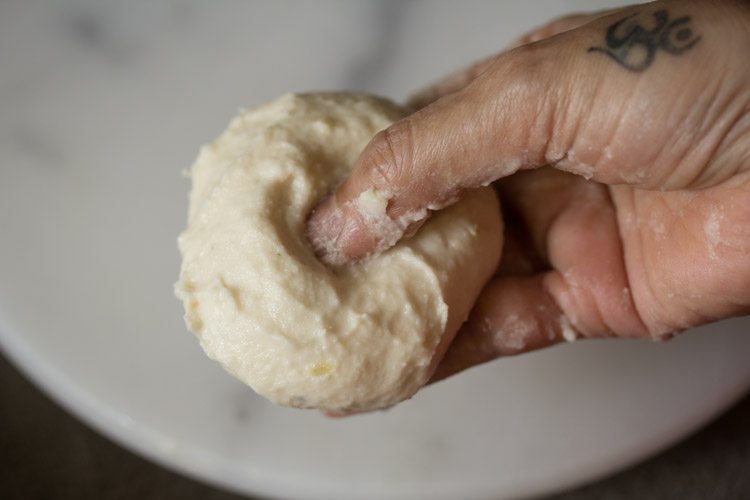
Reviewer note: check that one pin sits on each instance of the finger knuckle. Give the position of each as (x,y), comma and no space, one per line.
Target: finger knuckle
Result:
(389,155)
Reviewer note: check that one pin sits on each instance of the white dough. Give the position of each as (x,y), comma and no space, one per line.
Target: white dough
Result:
(361,337)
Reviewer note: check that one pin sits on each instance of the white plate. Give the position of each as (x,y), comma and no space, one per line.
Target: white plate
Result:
(102,108)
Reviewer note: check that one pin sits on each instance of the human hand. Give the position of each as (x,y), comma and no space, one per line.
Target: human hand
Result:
(619,144)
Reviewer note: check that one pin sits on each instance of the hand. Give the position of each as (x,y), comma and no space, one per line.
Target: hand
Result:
(619,144)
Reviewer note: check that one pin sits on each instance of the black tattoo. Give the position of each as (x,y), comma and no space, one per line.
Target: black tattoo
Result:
(673,37)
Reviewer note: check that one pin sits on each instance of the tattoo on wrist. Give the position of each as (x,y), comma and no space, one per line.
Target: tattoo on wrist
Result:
(634,47)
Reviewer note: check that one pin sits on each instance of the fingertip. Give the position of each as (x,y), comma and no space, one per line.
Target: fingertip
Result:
(343,233)
(350,231)
(324,227)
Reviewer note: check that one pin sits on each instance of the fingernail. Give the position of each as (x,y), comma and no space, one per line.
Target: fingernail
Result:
(324,227)
(340,233)
(347,232)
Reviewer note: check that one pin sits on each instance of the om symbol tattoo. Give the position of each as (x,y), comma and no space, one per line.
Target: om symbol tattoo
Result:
(634,47)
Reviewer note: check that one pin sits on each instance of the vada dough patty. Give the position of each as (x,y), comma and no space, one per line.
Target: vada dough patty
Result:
(358,337)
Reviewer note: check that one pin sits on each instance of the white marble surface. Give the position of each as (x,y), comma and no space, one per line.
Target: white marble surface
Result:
(103,104)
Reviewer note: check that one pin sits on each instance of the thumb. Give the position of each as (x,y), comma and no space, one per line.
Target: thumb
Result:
(423,162)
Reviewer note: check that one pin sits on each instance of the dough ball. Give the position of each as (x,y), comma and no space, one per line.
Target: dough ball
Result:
(359,337)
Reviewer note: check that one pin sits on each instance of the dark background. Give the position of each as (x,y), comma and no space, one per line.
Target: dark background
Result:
(48,454)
